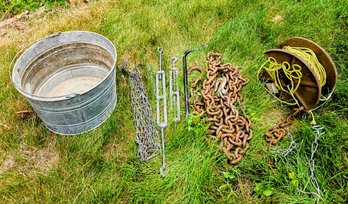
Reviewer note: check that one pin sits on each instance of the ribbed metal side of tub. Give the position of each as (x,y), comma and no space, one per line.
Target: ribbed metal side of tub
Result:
(37,75)
(80,113)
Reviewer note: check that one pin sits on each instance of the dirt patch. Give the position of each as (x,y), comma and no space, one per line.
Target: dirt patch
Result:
(244,190)
(14,22)
(5,125)
(39,160)
(18,21)
(7,164)
(114,151)
(30,160)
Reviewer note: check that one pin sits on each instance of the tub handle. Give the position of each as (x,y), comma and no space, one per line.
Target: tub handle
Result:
(73,95)
(54,35)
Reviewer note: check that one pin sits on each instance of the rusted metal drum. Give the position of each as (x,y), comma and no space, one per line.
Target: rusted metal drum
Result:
(309,92)
(69,79)
(323,57)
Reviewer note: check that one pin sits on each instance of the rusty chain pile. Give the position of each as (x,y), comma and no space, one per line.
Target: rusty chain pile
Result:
(277,132)
(217,101)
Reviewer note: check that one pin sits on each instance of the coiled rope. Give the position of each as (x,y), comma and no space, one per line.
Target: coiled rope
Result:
(311,59)
(293,72)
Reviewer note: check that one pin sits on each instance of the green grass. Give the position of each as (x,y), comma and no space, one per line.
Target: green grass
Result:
(101,166)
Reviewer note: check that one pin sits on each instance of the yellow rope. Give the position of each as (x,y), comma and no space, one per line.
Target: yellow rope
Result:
(311,59)
(293,72)
(313,122)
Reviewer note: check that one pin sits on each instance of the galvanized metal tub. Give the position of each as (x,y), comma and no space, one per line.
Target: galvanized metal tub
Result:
(69,79)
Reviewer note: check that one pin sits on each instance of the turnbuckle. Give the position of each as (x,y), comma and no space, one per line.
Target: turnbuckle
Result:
(161,105)
(174,90)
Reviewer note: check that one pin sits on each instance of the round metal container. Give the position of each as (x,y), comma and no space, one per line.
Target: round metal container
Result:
(69,79)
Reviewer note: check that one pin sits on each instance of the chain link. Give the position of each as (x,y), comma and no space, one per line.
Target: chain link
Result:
(289,149)
(147,136)
(319,131)
(277,132)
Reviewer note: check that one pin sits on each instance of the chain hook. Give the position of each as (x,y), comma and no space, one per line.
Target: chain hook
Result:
(174,61)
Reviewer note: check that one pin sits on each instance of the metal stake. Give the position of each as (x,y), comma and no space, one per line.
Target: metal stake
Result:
(187,111)
(161,111)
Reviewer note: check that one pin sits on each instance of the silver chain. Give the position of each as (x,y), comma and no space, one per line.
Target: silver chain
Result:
(174,93)
(319,131)
(291,147)
(147,136)
(161,106)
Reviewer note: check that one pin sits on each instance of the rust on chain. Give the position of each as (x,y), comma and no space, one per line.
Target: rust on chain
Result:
(194,68)
(199,78)
(277,132)
(217,100)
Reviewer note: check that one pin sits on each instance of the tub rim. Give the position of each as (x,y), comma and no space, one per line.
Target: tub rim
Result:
(67,96)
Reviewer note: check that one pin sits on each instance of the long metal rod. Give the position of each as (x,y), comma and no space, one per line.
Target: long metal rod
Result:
(187,109)
(163,154)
